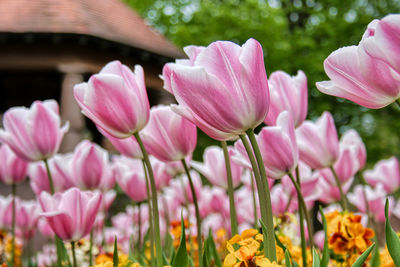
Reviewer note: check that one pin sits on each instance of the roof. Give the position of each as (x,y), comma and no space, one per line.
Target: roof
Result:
(109,19)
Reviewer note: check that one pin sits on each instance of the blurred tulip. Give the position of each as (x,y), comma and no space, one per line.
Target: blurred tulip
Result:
(90,166)
(280,200)
(33,133)
(328,187)
(27,216)
(182,188)
(133,184)
(169,136)
(70,214)
(128,147)
(352,140)
(6,211)
(115,99)
(318,142)
(44,227)
(214,168)
(222,88)
(376,199)
(12,168)
(39,180)
(278,147)
(386,172)
(108,198)
(287,93)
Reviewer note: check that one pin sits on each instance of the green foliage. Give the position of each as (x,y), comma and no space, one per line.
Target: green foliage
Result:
(181,258)
(295,34)
(392,240)
(325,251)
(115,255)
(363,257)
(316,259)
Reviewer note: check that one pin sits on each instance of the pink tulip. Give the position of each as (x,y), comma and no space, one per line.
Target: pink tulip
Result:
(308,183)
(6,211)
(383,42)
(33,134)
(213,200)
(352,140)
(39,180)
(115,99)
(90,166)
(214,222)
(27,216)
(44,227)
(161,174)
(280,200)
(386,172)
(328,187)
(376,199)
(108,198)
(134,185)
(12,168)
(278,147)
(223,88)
(182,188)
(71,214)
(367,74)
(245,206)
(169,136)
(128,147)
(318,142)
(214,168)
(287,93)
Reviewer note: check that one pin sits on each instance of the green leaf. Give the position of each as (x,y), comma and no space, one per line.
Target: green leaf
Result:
(130,253)
(181,258)
(316,260)
(213,253)
(288,262)
(325,251)
(375,261)
(361,259)
(392,240)
(115,256)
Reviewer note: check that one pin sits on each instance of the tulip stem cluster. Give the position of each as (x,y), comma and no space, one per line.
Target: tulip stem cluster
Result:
(51,184)
(343,199)
(197,211)
(263,191)
(156,221)
(73,253)
(232,210)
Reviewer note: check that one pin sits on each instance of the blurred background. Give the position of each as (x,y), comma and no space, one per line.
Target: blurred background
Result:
(47,46)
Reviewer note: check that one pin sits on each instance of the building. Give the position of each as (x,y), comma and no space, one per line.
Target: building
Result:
(47,46)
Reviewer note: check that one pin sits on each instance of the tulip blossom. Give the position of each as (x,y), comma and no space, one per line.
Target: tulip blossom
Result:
(6,211)
(33,133)
(280,200)
(115,99)
(90,166)
(39,180)
(182,188)
(376,199)
(278,147)
(134,185)
(367,74)
(352,140)
(318,142)
(328,187)
(169,136)
(214,168)
(27,216)
(128,147)
(222,88)
(386,172)
(287,93)
(383,42)
(70,214)
(13,169)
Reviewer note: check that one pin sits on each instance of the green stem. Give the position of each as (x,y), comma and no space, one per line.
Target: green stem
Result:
(253,192)
(196,208)
(186,205)
(151,224)
(343,199)
(91,248)
(232,210)
(261,199)
(398,102)
(270,242)
(51,184)
(139,243)
(73,253)
(59,242)
(157,235)
(14,194)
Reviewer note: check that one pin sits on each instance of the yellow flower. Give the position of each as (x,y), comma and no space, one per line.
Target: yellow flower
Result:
(385,258)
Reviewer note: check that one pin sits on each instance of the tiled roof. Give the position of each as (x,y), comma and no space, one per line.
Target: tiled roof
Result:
(109,19)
